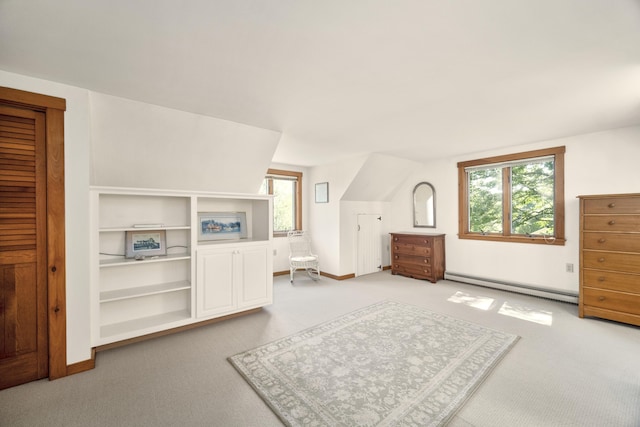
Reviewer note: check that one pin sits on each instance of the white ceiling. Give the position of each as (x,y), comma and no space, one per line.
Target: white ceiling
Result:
(415,79)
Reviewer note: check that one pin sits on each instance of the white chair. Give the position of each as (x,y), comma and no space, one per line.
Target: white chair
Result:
(300,256)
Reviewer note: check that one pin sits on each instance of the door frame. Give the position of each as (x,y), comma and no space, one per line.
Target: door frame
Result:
(54,109)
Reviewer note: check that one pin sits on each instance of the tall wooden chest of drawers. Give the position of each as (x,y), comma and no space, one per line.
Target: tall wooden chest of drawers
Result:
(610,257)
(418,255)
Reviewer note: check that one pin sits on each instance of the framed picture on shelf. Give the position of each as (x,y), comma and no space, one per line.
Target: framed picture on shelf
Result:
(145,243)
(222,226)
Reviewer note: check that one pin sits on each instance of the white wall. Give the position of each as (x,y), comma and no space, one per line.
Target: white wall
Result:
(362,185)
(76,158)
(324,218)
(141,145)
(598,163)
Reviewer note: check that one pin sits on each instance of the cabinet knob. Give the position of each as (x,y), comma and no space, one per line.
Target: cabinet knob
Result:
(602,240)
(612,222)
(612,205)
(601,298)
(395,239)
(601,259)
(601,279)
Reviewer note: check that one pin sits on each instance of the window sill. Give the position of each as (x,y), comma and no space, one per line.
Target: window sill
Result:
(515,239)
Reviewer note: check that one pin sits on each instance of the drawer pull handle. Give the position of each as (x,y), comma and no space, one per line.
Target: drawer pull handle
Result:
(612,205)
(602,240)
(612,222)
(601,279)
(601,298)
(601,259)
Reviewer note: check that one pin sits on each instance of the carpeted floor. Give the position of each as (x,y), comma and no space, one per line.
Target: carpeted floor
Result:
(564,371)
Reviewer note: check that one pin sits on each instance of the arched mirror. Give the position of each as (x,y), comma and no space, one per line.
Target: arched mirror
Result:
(424,205)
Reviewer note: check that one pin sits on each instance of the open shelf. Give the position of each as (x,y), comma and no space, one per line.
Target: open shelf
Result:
(164,319)
(130,261)
(141,291)
(130,297)
(140,229)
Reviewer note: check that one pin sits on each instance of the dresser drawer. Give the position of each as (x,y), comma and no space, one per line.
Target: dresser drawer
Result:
(611,281)
(611,300)
(411,240)
(616,261)
(611,222)
(412,270)
(613,205)
(411,249)
(412,260)
(612,242)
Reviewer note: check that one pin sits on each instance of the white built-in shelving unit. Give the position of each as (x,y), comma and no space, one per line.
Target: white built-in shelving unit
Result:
(131,298)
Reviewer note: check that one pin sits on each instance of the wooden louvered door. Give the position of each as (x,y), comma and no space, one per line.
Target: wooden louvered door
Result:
(23,252)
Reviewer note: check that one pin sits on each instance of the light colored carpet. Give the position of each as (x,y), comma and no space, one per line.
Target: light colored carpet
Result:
(386,364)
(567,372)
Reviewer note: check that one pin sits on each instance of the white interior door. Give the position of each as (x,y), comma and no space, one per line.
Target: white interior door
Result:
(369,244)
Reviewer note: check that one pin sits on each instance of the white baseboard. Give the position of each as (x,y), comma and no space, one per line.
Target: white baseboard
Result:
(514,287)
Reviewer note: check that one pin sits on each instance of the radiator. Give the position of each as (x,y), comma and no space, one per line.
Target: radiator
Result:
(514,287)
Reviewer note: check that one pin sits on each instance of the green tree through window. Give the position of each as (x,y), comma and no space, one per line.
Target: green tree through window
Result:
(517,197)
(532,187)
(485,201)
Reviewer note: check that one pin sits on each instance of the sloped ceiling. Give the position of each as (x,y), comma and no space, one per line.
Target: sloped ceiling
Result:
(378,178)
(413,79)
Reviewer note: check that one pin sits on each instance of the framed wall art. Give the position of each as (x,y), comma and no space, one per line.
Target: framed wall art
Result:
(145,243)
(222,226)
(322,192)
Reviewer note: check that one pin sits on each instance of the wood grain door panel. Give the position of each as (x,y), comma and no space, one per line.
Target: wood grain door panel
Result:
(23,252)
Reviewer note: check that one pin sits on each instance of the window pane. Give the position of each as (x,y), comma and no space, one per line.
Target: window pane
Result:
(532,191)
(485,201)
(284,205)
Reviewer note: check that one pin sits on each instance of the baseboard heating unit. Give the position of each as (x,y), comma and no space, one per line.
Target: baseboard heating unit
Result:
(514,287)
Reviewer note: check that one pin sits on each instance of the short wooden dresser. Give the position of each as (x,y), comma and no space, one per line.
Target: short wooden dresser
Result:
(418,255)
(610,257)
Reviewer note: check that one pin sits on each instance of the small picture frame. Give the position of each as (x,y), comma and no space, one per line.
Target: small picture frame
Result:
(322,192)
(145,243)
(222,226)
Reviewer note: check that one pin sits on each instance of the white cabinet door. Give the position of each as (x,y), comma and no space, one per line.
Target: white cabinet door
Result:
(255,287)
(215,282)
(233,278)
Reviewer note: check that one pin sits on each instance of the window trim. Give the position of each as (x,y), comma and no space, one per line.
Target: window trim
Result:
(506,236)
(298,177)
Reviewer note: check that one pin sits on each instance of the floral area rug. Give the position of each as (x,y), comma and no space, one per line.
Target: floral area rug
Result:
(388,364)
